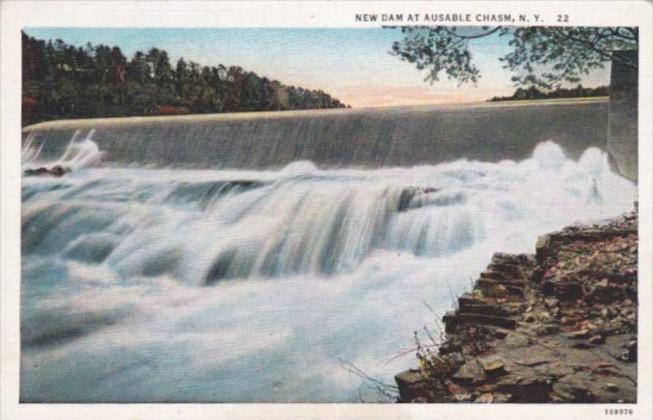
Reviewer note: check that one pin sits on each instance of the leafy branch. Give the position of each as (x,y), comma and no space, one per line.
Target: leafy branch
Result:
(540,56)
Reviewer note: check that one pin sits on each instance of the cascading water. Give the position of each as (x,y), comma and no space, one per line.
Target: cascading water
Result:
(79,153)
(368,138)
(158,284)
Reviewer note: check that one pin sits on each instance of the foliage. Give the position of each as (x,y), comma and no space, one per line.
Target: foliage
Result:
(535,93)
(540,56)
(64,81)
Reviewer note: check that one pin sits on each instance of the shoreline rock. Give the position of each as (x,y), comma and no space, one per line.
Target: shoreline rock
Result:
(556,326)
(56,171)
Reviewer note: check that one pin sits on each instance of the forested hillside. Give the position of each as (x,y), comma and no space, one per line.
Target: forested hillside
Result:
(65,81)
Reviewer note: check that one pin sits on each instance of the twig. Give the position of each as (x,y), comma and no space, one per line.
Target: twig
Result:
(390,391)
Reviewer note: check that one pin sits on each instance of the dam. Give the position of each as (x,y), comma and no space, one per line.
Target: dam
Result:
(377,137)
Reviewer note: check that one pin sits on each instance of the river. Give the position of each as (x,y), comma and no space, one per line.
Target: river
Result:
(167,284)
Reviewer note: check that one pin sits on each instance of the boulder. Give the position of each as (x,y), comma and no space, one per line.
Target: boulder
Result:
(411,384)
(56,171)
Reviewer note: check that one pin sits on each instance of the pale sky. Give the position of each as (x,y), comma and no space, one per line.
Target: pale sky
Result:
(352,65)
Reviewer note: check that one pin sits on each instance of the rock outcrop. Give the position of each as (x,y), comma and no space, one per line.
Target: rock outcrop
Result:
(56,171)
(557,326)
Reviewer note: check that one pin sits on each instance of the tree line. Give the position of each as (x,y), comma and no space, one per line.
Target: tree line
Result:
(534,93)
(64,81)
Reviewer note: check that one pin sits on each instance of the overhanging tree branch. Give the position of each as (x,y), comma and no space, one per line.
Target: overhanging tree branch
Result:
(558,54)
(594,46)
(476,36)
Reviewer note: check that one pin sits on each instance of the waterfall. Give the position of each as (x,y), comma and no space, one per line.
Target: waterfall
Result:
(223,274)
(80,152)
(335,138)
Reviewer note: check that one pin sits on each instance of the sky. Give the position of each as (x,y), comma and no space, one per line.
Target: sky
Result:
(352,65)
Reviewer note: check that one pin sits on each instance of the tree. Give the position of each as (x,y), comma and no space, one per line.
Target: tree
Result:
(541,56)
(534,93)
(63,81)
(182,76)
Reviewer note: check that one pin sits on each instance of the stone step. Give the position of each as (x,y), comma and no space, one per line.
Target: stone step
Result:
(506,269)
(499,275)
(411,384)
(484,283)
(563,290)
(524,260)
(472,305)
(484,308)
(452,320)
(498,290)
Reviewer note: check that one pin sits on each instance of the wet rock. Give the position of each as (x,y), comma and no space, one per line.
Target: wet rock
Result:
(517,340)
(559,326)
(565,320)
(556,369)
(565,291)
(455,389)
(582,345)
(546,329)
(454,319)
(405,198)
(542,248)
(480,307)
(56,171)
(501,398)
(501,333)
(631,351)
(411,384)
(463,397)
(575,388)
(492,365)
(584,333)
(533,360)
(611,387)
(485,388)
(485,398)
(470,372)
(408,194)
(532,387)
(596,339)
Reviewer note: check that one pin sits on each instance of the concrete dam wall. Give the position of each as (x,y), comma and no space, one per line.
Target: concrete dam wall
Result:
(337,138)
(622,121)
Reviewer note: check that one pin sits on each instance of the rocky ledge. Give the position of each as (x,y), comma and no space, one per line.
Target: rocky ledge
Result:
(56,171)
(557,326)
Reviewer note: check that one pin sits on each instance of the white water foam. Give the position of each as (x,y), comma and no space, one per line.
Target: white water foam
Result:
(241,286)
(81,152)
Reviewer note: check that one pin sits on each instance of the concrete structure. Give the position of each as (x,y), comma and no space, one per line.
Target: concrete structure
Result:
(622,115)
(340,138)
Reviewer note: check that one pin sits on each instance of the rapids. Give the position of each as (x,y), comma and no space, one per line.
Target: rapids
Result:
(155,284)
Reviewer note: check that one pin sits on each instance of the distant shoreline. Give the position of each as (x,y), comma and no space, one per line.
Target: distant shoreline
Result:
(533,92)
(494,101)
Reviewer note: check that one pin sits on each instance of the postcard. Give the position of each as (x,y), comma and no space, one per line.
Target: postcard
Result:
(326,209)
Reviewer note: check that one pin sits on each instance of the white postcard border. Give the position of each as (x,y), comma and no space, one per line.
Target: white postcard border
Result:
(18,14)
